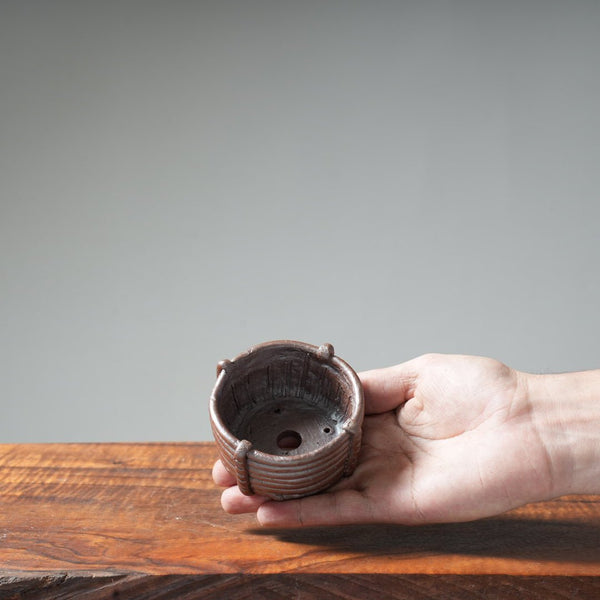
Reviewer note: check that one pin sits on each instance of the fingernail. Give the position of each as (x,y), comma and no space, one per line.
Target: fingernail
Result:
(265,515)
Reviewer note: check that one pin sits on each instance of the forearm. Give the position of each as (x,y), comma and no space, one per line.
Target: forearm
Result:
(566,412)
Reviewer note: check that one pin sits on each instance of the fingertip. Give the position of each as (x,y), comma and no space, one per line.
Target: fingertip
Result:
(235,503)
(227,502)
(278,514)
(221,476)
(264,514)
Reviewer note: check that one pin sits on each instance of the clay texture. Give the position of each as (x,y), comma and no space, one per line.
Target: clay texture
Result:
(287,418)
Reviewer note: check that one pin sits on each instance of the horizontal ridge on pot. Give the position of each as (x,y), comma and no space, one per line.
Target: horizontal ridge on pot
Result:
(287,418)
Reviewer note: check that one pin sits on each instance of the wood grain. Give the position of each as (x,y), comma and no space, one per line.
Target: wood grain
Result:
(144,521)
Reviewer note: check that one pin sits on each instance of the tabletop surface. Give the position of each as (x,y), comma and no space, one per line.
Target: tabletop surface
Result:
(83,512)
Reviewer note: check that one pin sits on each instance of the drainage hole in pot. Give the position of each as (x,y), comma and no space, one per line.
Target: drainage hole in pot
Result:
(289,440)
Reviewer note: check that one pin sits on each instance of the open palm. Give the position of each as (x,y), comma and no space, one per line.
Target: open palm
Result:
(446,438)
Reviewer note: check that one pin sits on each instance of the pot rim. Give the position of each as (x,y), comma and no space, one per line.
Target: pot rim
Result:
(349,427)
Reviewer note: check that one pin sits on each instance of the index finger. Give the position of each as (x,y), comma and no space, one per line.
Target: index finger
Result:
(221,476)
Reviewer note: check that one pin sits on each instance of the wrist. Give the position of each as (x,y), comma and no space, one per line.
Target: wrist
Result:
(566,414)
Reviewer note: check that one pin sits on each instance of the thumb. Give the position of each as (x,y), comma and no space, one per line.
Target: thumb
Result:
(386,389)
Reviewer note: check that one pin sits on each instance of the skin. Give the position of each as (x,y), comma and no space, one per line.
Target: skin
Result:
(453,438)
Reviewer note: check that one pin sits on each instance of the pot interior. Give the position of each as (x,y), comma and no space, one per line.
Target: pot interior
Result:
(285,400)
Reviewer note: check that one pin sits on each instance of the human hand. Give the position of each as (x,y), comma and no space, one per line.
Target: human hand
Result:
(446,438)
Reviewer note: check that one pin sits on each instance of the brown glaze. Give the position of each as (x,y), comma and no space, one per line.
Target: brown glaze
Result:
(287,418)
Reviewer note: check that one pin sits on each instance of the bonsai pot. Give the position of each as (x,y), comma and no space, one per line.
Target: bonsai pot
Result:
(287,418)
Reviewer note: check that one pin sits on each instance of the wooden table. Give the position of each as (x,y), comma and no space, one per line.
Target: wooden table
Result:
(93,521)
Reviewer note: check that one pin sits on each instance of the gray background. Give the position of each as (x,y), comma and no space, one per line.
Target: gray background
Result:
(181,180)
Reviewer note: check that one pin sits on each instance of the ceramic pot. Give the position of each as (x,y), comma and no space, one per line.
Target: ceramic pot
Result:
(287,418)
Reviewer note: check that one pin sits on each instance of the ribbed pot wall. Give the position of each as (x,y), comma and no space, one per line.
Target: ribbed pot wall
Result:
(291,374)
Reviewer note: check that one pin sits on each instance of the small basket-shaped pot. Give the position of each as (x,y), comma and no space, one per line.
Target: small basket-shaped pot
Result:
(287,418)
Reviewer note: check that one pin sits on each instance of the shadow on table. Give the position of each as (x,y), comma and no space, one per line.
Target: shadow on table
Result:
(531,539)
